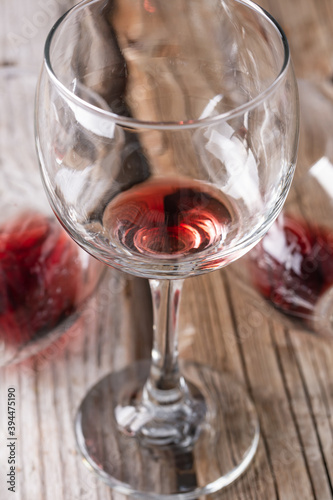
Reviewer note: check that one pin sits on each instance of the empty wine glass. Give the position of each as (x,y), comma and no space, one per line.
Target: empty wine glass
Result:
(167,135)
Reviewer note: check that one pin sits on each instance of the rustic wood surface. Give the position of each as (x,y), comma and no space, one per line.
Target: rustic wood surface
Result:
(287,372)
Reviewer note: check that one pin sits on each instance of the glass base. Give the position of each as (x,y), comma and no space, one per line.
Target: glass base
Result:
(218,452)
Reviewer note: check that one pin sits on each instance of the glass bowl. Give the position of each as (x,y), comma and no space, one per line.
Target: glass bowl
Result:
(45,278)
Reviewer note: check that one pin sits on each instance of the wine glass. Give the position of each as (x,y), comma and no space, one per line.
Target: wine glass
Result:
(292,266)
(167,135)
(45,278)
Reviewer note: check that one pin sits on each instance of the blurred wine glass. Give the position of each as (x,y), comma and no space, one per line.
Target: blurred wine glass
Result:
(293,265)
(45,279)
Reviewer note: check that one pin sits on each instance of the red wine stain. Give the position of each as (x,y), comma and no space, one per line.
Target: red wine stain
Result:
(39,277)
(293,265)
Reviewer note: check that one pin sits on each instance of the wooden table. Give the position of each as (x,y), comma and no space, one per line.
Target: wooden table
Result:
(288,373)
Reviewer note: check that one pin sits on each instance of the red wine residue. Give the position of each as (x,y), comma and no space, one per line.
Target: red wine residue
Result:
(168,218)
(293,265)
(39,277)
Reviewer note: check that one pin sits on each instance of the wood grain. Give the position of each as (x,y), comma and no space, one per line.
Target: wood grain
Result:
(287,372)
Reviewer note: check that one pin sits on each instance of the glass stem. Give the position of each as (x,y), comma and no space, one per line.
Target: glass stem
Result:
(165,385)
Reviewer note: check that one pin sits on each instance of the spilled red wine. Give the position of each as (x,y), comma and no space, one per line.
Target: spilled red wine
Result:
(168,217)
(293,266)
(39,277)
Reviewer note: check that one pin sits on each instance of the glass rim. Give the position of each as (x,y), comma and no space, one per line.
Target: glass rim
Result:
(168,125)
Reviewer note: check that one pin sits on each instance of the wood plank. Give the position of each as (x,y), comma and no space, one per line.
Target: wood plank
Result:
(266,385)
(306,425)
(313,359)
